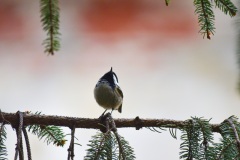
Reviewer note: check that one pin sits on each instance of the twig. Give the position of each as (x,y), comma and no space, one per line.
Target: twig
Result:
(27,143)
(4,121)
(224,149)
(114,130)
(1,129)
(46,128)
(19,146)
(100,148)
(121,151)
(235,133)
(51,28)
(206,17)
(230,9)
(237,156)
(71,146)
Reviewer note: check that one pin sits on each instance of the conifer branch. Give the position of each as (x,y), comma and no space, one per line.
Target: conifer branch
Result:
(224,149)
(3,136)
(167,2)
(228,148)
(105,138)
(205,17)
(27,143)
(71,146)
(121,150)
(19,145)
(52,134)
(101,147)
(197,134)
(33,119)
(50,21)
(226,6)
(235,133)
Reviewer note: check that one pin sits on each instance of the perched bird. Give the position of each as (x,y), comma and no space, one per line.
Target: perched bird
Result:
(108,93)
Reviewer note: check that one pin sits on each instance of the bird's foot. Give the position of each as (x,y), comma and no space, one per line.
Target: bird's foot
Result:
(107,123)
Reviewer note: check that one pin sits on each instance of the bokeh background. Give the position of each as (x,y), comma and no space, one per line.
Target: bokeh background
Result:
(165,68)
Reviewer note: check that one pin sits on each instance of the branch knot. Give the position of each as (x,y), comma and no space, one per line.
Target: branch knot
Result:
(138,123)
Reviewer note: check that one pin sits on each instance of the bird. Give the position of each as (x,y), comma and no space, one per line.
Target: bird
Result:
(108,93)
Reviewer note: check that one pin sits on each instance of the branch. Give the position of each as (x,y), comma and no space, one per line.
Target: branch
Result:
(226,6)
(71,146)
(50,21)
(27,143)
(235,133)
(205,17)
(33,119)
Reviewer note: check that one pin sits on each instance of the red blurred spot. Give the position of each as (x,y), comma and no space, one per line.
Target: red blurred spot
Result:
(124,18)
(11,23)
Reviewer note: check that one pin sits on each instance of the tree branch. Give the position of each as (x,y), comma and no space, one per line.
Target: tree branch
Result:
(34,119)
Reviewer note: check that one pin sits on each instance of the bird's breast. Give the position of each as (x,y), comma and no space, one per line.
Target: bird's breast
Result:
(107,97)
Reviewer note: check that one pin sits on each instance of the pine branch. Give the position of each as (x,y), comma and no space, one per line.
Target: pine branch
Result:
(71,146)
(187,150)
(50,21)
(3,137)
(197,135)
(107,146)
(205,17)
(167,2)
(229,146)
(126,152)
(102,146)
(33,119)
(27,143)
(206,139)
(226,6)
(235,133)
(222,148)
(120,146)
(51,134)
(19,145)
(197,140)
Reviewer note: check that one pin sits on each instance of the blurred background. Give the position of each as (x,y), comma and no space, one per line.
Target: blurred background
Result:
(165,68)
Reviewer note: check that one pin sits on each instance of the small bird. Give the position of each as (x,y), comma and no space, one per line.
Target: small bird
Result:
(107,92)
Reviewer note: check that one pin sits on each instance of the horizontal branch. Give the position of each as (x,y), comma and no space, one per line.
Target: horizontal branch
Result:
(88,123)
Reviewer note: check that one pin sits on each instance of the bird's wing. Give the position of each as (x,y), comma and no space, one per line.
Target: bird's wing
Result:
(119,91)
(120,109)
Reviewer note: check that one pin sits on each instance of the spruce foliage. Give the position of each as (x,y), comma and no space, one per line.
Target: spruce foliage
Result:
(167,2)
(50,21)
(50,134)
(226,6)
(126,151)
(50,13)
(205,17)
(109,146)
(229,148)
(3,137)
(197,140)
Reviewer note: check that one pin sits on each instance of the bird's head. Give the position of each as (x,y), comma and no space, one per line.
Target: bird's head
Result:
(111,77)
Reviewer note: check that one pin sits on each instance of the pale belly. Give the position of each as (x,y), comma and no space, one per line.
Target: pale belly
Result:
(107,98)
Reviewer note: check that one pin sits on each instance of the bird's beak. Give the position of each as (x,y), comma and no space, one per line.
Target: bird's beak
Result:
(111,69)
